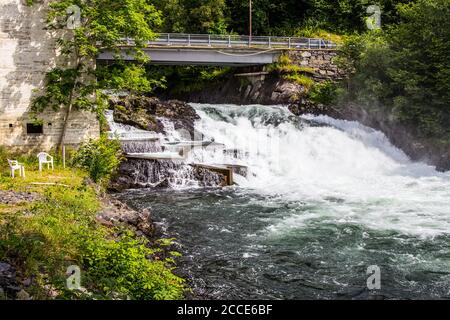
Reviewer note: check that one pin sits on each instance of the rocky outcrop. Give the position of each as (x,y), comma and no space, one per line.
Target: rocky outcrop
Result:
(146,113)
(117,213)
(11,197)
(305,106)
(9,287)
(265,89)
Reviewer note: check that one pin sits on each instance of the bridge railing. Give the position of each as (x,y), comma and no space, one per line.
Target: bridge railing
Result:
(236,41)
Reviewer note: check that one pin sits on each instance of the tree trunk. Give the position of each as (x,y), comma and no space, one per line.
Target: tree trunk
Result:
(66,121)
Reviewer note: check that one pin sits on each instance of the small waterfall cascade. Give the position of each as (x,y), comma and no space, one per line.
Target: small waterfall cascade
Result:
(165,160)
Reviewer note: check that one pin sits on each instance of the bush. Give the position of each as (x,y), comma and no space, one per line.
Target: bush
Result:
(42,238)
(100,158)
(130,269)
(325,93)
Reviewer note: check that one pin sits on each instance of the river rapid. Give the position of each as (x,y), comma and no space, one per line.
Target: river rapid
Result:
(323,199)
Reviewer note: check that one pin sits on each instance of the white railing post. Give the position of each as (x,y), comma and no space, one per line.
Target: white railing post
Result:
(229,41)
(309,43)
(209,40)
(189,40)
(289,42)
(168,39)
(270,43)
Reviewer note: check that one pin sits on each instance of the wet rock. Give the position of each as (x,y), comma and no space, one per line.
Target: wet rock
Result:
(8,284)
(23,295)
(145,113)
(138,173)
(117,213)
(305,106)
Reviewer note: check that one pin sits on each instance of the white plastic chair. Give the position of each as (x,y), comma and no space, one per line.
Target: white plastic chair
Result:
(45,158)
(15,165)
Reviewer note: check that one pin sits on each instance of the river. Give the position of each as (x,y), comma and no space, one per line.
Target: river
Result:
(323,200)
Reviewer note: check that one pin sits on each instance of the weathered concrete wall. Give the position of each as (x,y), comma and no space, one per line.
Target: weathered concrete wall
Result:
(27,51)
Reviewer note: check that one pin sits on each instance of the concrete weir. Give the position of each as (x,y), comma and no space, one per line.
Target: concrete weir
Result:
(226,171)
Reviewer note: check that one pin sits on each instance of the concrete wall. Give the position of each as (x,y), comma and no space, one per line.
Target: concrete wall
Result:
(27,51)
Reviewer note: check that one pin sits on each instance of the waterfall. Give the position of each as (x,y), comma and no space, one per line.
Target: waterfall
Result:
(352,170)
(308,158)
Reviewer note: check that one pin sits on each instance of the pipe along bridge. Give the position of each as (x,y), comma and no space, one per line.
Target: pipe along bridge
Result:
(218,50)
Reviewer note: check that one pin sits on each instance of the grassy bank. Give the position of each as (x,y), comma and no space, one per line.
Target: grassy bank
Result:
(42,238)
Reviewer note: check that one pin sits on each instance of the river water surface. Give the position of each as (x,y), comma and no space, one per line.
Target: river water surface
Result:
(323,200)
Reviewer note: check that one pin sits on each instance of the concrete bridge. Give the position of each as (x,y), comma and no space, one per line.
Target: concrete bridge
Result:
(222,50)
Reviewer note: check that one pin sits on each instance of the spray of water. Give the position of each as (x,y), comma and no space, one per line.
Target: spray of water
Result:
(352,173)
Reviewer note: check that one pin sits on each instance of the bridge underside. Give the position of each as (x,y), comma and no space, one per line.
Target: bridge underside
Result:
(202,56)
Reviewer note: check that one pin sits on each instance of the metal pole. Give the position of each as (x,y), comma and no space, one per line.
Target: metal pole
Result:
(250,23)
(64,155)
(189,40)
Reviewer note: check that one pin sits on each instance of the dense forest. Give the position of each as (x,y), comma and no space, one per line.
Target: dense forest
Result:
(284,17)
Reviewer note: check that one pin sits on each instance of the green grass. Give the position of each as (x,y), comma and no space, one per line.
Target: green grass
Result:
(42,238)
(293,72)
(300,79)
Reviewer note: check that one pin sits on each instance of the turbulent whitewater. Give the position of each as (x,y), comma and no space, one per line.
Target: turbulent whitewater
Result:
(323,199)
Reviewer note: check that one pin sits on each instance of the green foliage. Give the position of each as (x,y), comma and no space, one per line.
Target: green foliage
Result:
(103,24)
(326,92)
(128,267)
(100,158)
(405,69)
(300,79)
(193,16)
(292,72)
(185,79)
(133,78)
(41,239)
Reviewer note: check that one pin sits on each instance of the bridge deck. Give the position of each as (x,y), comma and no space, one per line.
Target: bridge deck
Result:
(238,42)
(222,50)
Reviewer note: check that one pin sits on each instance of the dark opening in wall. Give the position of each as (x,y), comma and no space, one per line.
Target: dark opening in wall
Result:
(10,125)
(33,128)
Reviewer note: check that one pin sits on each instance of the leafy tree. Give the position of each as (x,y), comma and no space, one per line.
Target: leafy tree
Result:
(405,69)
(103,24)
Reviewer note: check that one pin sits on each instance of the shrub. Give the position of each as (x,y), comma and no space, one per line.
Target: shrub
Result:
(324,92)
(100,158)
(128,267)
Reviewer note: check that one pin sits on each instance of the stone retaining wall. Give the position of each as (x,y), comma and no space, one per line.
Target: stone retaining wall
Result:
(322,61)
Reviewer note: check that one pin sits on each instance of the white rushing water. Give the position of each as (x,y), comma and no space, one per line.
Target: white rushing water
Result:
(351,173)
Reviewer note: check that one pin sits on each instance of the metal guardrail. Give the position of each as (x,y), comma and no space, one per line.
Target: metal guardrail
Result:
(235,41)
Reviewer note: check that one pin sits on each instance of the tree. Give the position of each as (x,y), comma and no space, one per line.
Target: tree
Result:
(405,68)
(102,26)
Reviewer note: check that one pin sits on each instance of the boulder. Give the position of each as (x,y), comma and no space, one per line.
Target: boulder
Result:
(146,112)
